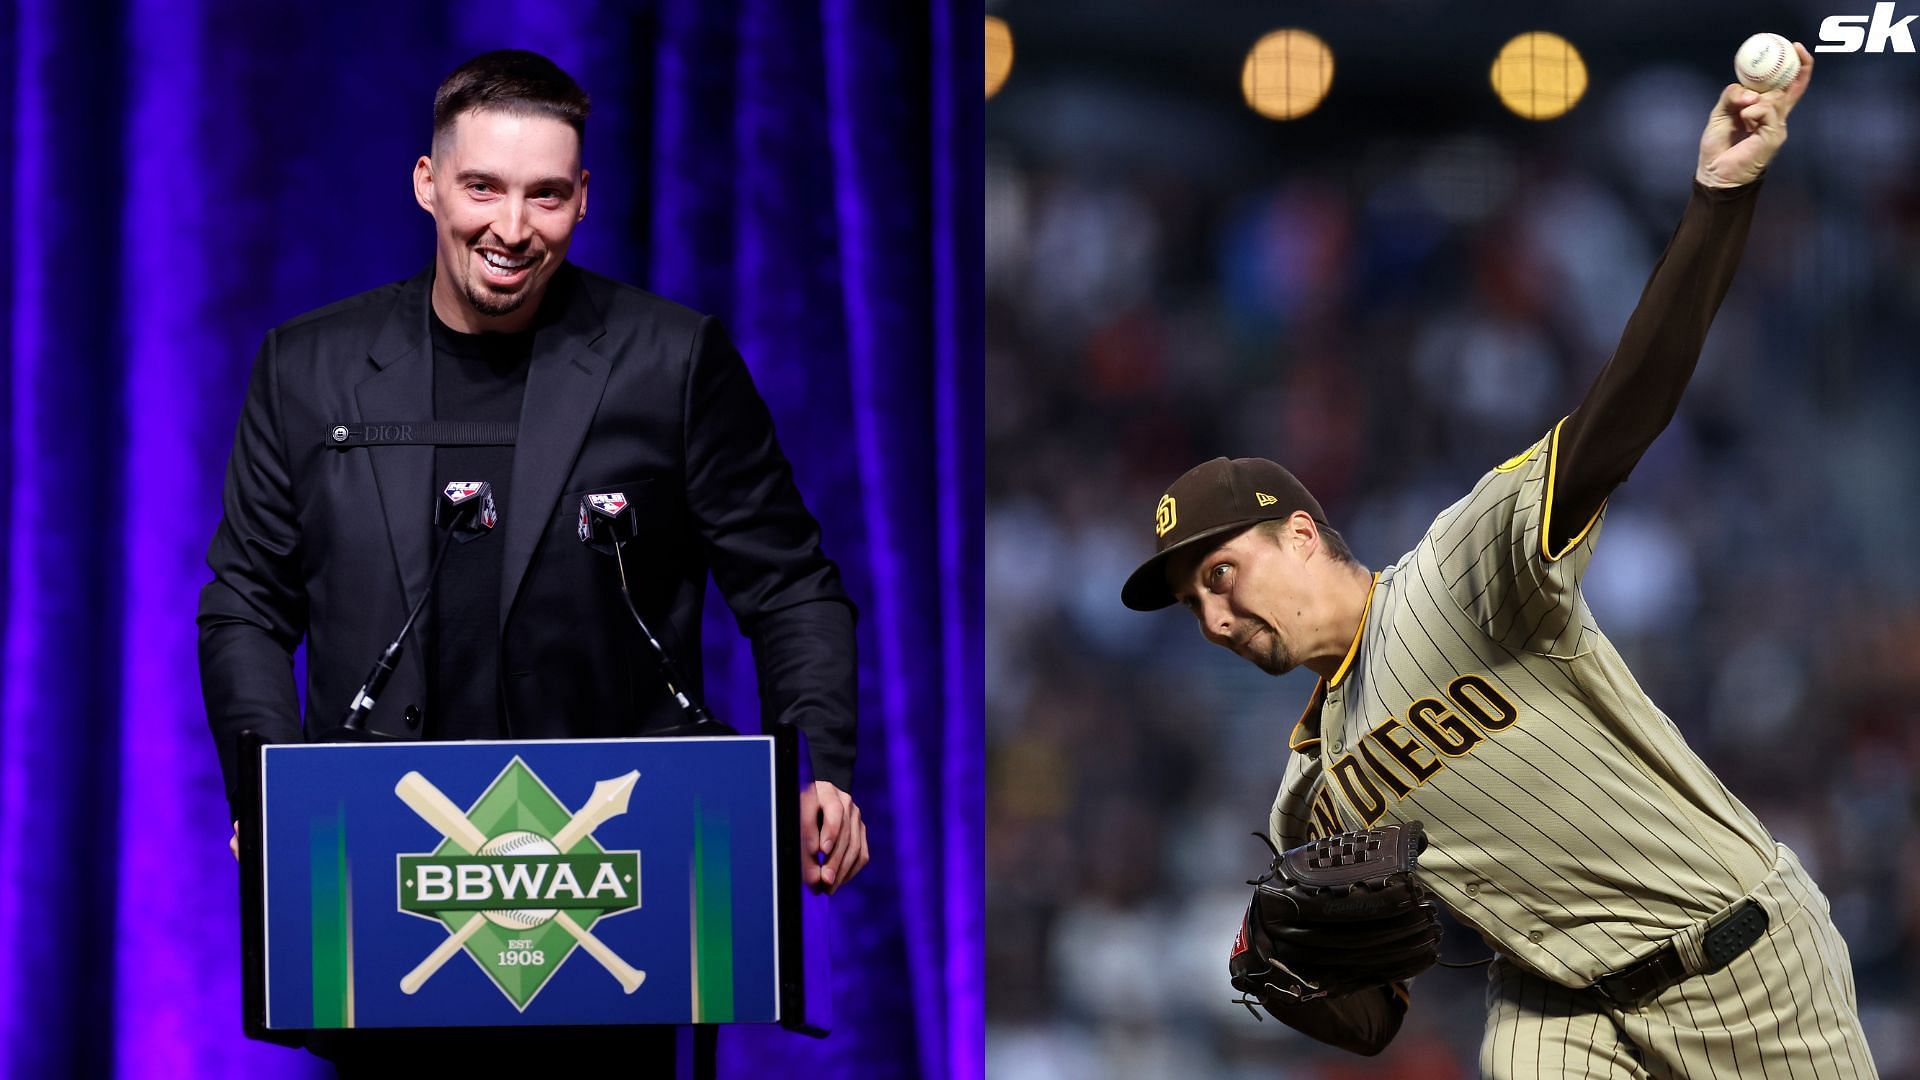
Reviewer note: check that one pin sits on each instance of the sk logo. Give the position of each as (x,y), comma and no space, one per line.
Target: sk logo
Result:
(1264,499)
(1164,517)
(518,880)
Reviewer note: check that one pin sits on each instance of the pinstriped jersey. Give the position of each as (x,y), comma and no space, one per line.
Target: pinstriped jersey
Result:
(1569,822)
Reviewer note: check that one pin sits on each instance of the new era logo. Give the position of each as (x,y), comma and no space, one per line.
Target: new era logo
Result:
(1264,499)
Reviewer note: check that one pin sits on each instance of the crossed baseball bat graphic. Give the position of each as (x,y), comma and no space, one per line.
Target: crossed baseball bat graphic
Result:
(609,799)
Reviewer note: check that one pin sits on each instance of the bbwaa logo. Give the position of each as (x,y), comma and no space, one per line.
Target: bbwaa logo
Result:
(610,504)
(460,491)
(518,880)
(1874,33)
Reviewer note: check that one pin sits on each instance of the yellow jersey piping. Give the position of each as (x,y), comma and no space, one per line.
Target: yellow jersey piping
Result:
(1294,741)
(1546,506)
(1354,649)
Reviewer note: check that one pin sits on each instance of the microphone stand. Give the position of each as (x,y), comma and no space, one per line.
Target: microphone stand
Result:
(462,506)
(698,720)
(355,727)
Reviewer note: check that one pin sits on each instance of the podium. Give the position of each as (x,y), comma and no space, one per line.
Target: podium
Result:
(561,883)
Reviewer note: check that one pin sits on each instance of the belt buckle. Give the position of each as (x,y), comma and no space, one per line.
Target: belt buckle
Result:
(1637,984)
(1632,987)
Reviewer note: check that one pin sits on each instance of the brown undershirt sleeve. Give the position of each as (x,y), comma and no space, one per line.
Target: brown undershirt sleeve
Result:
(1636,394)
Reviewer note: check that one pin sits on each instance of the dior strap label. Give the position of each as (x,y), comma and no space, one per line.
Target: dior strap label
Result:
(422,433)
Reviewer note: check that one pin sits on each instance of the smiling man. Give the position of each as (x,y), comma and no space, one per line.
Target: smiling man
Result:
(505,187)
(503,362)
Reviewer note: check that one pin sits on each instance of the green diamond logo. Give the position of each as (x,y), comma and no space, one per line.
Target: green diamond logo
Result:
(518,880)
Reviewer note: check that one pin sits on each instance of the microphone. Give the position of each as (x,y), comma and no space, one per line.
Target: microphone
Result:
(464,511)
(605,523)
(465,508)
(608,524)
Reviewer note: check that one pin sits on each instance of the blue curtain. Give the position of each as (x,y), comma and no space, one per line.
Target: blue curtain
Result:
(183,175)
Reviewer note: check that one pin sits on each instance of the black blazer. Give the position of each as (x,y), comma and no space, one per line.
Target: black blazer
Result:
(626,391)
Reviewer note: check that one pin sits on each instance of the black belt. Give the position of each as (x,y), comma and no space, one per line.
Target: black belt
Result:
(1634,986)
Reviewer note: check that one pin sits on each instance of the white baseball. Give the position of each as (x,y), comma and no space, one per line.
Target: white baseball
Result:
(519,842)
(1766,62)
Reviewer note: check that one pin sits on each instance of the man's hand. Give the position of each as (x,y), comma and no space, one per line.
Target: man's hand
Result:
(1746,128)
(235,842)
(833,839)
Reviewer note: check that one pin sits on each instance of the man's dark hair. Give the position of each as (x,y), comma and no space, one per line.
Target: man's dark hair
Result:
(1330,539)
(513,81)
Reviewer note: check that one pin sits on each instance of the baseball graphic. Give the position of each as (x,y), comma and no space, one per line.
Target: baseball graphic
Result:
(1766,62)
(609,799)
(519,842)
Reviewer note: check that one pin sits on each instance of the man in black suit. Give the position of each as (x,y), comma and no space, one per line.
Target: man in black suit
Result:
(345,441)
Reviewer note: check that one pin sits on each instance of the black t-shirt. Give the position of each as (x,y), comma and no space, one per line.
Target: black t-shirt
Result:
(475,377)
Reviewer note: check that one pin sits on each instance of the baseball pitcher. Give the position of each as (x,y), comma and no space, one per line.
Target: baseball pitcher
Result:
(1475,740)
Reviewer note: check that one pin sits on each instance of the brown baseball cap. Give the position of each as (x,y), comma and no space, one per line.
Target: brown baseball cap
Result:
(1222,496)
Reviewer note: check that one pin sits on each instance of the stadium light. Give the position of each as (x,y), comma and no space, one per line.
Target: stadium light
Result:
(999,53)
(1286,74)
(1539,75)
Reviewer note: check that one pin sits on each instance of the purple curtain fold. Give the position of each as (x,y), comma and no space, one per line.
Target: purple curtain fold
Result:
(66,517)
(959,336)
(183,174)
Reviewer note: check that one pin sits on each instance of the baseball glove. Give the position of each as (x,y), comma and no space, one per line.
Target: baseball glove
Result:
(1334,916)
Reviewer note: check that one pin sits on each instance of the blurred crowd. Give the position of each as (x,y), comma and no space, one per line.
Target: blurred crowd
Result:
(1389,320)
